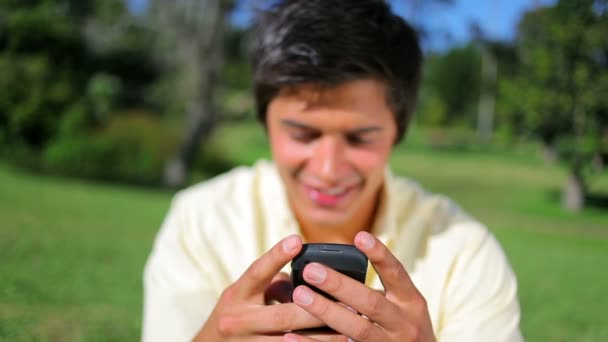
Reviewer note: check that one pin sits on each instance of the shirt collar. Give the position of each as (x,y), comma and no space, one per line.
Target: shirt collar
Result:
(385,222)
(384,226)
(275,197)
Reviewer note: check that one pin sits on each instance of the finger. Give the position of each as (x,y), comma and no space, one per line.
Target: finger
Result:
(266,338)
(301,337)
(359,297)
(279,290)
(259,275)
(337,317)
(291,337)
(269,319)
(281,277)
(394,277)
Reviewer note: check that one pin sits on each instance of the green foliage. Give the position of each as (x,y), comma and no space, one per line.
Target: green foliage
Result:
(33,98)
(434,111)
(559,93)
(58,81)
(131,148)
(102,91)
(451,87)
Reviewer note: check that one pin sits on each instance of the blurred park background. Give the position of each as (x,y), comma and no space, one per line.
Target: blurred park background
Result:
(108,106)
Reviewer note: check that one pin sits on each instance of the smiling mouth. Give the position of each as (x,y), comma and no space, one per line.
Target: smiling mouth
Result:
(329,197)
(334,191)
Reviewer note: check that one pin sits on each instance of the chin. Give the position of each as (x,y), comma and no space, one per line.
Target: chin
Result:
(326,218)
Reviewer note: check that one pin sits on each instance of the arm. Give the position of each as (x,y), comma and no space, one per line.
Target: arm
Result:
(481,296)
(181,303)
(178,295)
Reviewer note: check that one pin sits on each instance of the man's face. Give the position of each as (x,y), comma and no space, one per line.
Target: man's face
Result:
(331,146)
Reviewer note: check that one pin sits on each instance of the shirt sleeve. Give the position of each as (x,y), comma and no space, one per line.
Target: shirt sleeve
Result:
(178,297)
(481,296)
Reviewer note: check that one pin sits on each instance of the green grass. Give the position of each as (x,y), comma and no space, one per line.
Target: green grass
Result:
(72,252)
(71,256)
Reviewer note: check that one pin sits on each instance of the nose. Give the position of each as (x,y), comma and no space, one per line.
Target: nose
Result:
(327,159)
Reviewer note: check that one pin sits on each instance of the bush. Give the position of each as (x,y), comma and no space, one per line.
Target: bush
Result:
(131,148)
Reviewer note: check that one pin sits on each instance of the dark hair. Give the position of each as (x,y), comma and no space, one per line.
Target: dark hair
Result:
(329,42)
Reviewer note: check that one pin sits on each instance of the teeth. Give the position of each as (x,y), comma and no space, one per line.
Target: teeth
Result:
(334,191)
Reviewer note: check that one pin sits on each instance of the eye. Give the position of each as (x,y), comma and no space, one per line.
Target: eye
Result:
(357,140)
(304,136)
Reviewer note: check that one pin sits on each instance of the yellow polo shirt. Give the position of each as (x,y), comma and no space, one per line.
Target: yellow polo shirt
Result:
(216,229)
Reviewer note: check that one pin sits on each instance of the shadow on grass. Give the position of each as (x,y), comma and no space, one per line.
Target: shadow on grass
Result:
(207,164)
(592,200)
(599,201)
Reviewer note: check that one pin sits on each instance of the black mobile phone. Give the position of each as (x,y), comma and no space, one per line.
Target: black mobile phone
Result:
(346,259)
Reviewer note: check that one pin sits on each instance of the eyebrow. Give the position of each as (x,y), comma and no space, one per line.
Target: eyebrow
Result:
(362,130)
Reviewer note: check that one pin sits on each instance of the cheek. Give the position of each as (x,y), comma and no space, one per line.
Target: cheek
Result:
(370,162)
(285,152)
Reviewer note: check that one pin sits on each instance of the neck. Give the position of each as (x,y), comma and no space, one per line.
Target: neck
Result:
(344,233)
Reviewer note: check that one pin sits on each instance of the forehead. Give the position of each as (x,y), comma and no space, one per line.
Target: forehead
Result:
(362,99)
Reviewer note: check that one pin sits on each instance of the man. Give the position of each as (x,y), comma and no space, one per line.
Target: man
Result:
(335,84)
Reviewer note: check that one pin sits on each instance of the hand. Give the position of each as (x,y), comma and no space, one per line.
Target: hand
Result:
(241,314)
(400,314)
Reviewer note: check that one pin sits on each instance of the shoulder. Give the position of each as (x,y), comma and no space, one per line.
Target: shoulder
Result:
(433,226)
(456,263)
(221,206)
(216,222)
(411,203)
(225,190)
(445,233)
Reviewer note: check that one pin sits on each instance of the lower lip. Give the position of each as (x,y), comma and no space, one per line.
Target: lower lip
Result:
(326,200)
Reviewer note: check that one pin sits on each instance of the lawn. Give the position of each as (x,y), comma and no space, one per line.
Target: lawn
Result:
(72,252)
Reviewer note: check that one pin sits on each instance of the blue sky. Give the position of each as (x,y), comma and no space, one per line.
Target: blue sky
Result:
(497,18)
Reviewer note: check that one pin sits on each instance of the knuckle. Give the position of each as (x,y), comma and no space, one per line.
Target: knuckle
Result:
(227,325)
(322,309)
(280,319)
(229,294)
(255,271)
(414,333)
(420,304)
(395,271)
(374,303)
(335,285)
(363,332)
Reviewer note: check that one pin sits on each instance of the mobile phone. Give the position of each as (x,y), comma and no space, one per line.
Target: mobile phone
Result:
(346,259)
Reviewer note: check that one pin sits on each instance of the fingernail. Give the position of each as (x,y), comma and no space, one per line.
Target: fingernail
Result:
(303,296)
(290,243)
(315,273)
(350,309)
(290,339)
(366,240)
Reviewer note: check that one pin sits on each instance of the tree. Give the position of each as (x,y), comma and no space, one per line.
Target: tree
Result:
(451,86)
(190,41)
(559,93)
(54,78)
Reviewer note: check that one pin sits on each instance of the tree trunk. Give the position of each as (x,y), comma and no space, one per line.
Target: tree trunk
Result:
(597,163)
(206,63)
(573,195)
(549,153)
(487,98)
(200,125)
